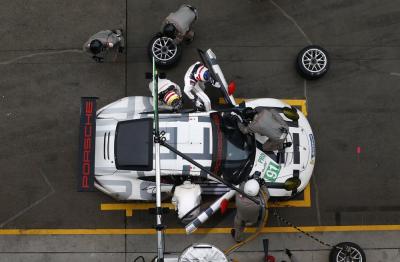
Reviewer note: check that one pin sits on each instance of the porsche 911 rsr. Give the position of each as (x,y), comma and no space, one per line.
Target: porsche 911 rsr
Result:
(117,149)
(124,165)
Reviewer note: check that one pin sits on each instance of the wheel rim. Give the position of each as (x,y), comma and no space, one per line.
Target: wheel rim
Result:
(314,60)
(164,48)
(354,255)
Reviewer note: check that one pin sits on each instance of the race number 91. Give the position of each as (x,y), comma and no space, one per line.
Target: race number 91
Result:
(272,171)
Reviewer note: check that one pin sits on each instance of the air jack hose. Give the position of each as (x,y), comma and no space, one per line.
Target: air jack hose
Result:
(258,231)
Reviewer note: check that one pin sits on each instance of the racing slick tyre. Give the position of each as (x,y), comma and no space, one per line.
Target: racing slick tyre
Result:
(354,254)
(312,62)
(165,51)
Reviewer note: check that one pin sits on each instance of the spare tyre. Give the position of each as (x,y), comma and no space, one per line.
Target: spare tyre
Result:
(165,51)
(312,62)
(347,251)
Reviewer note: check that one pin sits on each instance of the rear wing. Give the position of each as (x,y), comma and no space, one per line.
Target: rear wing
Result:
(87,142)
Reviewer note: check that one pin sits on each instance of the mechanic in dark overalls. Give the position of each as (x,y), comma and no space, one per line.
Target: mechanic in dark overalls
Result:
(177,25)
(104,41)
(248,213)
(267,122)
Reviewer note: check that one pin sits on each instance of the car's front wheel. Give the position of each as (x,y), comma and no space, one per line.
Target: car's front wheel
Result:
(165,51)
(312,62)
(347,252)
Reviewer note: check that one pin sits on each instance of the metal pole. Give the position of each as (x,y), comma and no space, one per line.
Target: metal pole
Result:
(159,225)
(190,160)
(206,214)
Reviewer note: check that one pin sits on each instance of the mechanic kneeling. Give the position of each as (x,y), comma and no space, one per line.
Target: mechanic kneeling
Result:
(177,25)
(266,122)
(248,213)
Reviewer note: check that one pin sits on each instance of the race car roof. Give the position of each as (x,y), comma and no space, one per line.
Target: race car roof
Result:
(134,145)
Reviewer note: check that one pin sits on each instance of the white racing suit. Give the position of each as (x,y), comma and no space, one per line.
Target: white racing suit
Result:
(167,92)
(194,85)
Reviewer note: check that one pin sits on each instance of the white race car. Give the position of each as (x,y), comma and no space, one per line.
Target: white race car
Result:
(124,165)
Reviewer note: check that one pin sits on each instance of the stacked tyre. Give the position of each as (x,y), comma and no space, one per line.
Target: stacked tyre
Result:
(165,51)
(347,252)
(312,62)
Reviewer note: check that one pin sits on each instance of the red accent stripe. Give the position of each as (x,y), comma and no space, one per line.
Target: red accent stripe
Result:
(199,72)
(168,95)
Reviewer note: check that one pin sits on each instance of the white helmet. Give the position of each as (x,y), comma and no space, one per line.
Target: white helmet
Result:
(251,187)
(202,74)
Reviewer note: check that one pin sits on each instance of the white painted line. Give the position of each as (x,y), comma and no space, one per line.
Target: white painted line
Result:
(292,20)
(37,202)
(40,54)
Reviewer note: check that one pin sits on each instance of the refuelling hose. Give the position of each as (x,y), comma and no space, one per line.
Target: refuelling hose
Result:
(258,231)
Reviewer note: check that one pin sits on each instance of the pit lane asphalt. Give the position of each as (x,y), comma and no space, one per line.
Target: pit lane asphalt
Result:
(256,42)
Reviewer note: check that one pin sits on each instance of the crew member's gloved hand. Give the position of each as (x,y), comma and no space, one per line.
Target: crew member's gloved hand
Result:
(214,83)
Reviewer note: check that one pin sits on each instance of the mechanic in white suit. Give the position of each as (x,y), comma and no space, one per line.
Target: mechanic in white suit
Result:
(195,77)
(169,95)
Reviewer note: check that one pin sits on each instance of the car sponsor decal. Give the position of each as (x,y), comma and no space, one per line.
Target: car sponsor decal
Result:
(261,158)
(312,142)
(87,143)
(272,171)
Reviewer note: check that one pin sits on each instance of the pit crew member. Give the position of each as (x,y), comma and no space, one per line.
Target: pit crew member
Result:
(169,95)
(177,25)
(104,41)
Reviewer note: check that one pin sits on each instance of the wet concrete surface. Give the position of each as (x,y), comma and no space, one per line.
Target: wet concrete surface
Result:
(256,42)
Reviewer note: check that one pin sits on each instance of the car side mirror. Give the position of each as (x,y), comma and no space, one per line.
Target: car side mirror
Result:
(291,113)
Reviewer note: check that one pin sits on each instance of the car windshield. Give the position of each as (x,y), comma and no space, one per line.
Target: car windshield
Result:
(233,152)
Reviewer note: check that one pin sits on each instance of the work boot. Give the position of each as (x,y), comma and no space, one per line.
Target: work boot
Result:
(233,233)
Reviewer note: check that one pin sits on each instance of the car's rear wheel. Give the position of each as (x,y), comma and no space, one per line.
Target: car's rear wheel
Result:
(165,51)
(347,252)
(313,62)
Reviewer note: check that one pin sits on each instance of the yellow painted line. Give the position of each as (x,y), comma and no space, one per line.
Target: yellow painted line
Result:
(181,231)
(293,102)
(305,202)
(130,207)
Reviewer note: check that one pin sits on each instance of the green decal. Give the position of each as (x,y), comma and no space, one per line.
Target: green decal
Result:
(272,171)
(261,158)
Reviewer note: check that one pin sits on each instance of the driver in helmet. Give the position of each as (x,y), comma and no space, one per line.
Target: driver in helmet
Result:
(248,213)
(102,42)
(177,25)
(195,77)
(169,95)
